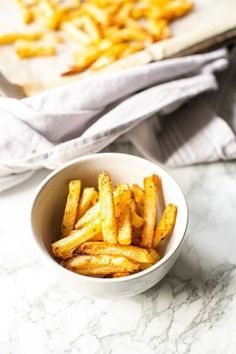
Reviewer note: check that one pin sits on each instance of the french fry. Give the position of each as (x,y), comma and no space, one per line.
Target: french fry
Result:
(123,13)
(132,48)
(109,56)
(150,210)
(49,15)
(88,198)
(63,248)
(30,49)
(133,253)
(176,8)
(91,215)
(71,207)
(125,34)
(166,224)
(107,210)
(8,38)
(125,225)
(138,197)
(99,265)
(120,195)
(137,221)
(99,15)
(26,12)
(159,29)
(91,28)
(75,34)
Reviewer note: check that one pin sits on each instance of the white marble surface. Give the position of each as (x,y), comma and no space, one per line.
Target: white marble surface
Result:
(192,310)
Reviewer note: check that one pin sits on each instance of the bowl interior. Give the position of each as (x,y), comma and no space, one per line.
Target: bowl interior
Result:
(50,201)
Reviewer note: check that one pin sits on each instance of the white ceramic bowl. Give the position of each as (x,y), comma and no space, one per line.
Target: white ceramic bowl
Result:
(48,207)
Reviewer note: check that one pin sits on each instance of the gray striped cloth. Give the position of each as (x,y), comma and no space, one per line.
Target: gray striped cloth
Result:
(163,108)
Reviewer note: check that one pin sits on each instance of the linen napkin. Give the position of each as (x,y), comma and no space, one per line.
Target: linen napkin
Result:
(84,117)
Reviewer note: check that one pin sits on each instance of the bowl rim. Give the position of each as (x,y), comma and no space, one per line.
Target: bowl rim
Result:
(44,253)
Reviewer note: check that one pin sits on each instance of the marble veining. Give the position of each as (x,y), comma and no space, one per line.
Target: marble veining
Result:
(192,310)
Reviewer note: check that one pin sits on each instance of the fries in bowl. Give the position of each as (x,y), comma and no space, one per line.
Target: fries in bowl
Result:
(112,232)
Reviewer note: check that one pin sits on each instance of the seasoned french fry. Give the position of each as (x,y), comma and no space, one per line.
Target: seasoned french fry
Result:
(99,265)
(166,224)
(120,195)
(133,253)
(137,221)
(88,198)
(29,49)
(92,214)
(107,210)
(150,210)
(63,248)
(125,225)
(8,38)
(71,207)
(138,197)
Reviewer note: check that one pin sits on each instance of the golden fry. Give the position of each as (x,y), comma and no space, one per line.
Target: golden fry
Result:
(121,196)
(63,248)
(159,29)
(138,197)
(71,207)
(99,15)
(150,210)
(26,12)
(76,34)
(99,265)
(9,38)
(30,49)
(91,215)
(133,253)
(132,48)
(107,210)
(91,28)
(166,224)
(125,225)
(137,221)
(88,199)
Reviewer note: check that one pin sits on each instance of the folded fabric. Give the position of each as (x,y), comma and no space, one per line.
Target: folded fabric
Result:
(84,117)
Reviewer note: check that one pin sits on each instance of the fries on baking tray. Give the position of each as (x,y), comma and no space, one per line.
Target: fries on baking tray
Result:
(112,232)
(100,31)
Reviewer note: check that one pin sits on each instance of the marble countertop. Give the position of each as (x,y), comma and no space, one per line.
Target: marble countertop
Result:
(192,310)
